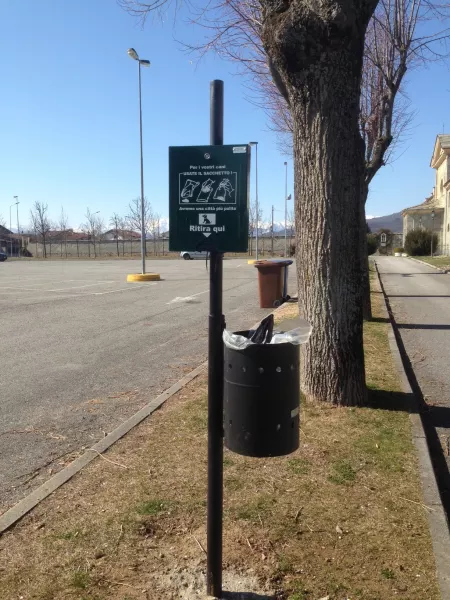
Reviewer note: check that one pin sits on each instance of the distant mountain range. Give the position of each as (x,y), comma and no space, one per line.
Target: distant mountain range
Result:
(393,222)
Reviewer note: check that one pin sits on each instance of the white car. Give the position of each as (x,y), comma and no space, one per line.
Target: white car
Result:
(191,255)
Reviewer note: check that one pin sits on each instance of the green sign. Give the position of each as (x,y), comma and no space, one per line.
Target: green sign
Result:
(208,197)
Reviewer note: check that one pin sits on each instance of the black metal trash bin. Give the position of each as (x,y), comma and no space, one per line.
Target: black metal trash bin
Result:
(262,399)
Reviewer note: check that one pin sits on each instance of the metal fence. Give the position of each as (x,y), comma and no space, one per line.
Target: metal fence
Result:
(132,248)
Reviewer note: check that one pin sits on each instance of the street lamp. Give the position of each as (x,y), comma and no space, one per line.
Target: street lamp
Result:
(433,214)
(10,222)
(144,63)
(286,198)
(16,198)
(257,208)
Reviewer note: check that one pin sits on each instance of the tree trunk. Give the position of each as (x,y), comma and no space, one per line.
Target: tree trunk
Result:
(364,257)
(316,53)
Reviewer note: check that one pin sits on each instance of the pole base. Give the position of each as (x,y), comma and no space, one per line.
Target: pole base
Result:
(143,277)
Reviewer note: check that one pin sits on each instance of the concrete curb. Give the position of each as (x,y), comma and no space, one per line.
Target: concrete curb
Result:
(421,262)
(11,516)
(437,520)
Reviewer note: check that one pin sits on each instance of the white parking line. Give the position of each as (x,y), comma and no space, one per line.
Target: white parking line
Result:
(128,289)
(83,295)
(186,298)
(40,289)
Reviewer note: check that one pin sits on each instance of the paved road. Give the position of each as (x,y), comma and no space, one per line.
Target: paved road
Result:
(82,350)
(420,299)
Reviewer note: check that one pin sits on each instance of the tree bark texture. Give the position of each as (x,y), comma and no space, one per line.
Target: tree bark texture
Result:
(315,51)
(364,257)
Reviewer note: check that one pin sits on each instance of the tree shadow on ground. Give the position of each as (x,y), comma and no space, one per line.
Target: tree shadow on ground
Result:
(436,425)
(435,419)
(245,596)
(379,320)
(396,401)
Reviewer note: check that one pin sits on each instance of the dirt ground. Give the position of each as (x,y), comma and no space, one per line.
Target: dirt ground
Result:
(342,518)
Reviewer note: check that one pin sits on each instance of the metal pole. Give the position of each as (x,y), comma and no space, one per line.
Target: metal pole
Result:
(432,230)
(10,231)
(215,384)
(285,213)
(257,205)
(18,230)
(143,244)
(272,229)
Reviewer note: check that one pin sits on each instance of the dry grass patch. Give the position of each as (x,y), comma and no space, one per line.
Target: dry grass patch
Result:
(341,517)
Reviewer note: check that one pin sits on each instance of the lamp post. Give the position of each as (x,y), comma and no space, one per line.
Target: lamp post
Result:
(286,198)
(433,214)
(16,198)
(256,193)
(10,223)
(144,63)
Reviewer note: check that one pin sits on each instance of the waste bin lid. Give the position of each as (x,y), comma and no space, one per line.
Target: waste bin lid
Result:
(279,262)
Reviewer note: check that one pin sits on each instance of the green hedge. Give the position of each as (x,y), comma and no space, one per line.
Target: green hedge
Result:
(418,242)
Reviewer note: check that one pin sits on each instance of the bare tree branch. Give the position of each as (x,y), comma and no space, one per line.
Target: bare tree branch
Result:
(134,215)
(41,223)
(401,35)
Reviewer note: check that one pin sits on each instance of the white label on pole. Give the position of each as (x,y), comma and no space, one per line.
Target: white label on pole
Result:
(295,412)
(239,149)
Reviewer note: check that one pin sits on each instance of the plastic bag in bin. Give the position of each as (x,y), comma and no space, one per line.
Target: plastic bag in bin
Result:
(300,334)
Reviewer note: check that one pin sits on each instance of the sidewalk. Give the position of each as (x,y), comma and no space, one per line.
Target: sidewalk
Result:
(342,517)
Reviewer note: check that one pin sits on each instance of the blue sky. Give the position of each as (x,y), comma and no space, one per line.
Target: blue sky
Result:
(69,111)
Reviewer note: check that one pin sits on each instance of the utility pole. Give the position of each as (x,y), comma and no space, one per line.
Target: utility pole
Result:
(272,228)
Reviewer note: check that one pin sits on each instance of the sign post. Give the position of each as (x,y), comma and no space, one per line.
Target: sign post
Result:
(208,211)
(215,384)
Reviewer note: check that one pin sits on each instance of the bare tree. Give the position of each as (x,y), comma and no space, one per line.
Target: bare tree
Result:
(93,227)
(62,226)
(314,53)
(40,223)
(2,221)
(154,230)
(123,227)
(290,227)
(115,222)
(252,222)
(134,217)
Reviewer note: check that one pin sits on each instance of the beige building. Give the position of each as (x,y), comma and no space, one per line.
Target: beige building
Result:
(438,204)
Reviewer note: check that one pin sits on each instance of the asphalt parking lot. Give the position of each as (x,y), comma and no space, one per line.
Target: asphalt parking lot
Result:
(82,350)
